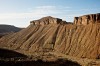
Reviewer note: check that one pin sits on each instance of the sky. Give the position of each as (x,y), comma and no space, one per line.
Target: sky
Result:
(20,12)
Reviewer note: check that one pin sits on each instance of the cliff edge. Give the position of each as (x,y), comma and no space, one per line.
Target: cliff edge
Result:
(87,19)
(48,20)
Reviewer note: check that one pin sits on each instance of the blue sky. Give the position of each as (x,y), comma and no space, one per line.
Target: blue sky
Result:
(21,12)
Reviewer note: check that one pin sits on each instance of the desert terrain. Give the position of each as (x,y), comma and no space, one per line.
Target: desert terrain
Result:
(51,41)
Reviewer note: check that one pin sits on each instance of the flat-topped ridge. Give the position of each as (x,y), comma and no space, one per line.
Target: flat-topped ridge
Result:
(87,19)
(47,20)
(81,20)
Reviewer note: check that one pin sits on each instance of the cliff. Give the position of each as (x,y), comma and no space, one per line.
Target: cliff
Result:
(48,34)
(87,19)
(47,20)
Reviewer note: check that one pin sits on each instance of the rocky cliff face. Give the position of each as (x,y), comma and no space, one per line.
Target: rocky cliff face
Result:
(47,20)
(87,19)
(52,34)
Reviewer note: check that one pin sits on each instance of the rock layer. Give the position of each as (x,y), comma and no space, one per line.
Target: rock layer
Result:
(87,19)
(47,20)
(74,40)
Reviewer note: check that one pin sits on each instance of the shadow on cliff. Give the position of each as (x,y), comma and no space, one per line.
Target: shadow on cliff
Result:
(5,53)
(39,63)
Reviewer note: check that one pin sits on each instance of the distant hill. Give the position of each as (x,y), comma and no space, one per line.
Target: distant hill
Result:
(5,29)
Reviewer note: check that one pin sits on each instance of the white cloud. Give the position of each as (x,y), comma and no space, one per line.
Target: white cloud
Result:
(45,7)
(35,13)
(22,19)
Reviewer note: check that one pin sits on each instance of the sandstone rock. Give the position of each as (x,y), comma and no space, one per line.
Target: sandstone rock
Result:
(87,19)
(47,20)
(98,17)
(75,20)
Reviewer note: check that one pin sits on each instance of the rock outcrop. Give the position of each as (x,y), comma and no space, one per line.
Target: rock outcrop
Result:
(87,19)
(47,20)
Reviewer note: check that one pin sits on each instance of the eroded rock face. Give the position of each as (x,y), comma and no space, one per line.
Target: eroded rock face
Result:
(87,19)
(47,20)
(74,40)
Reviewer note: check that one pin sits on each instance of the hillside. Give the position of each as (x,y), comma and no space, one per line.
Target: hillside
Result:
(48,34)
(5,29)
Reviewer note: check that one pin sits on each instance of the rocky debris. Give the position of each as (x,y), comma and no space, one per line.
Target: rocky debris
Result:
(47,20)
(87,19)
